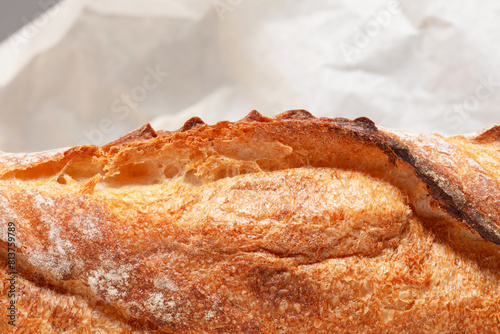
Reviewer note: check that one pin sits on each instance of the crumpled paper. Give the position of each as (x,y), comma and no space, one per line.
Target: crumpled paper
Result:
(89,71)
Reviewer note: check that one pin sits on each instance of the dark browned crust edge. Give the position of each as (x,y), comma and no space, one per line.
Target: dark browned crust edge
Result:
(144,133)
(448,194)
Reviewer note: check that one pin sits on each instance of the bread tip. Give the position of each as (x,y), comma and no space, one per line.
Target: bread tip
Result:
(143,133)
(368,123)
(488,135)
(191,124)
(254,116)
(296,114)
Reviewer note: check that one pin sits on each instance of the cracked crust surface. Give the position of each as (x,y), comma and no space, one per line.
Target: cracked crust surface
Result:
(292,224)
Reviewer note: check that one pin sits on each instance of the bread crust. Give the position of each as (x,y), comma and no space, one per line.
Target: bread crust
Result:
(266,225)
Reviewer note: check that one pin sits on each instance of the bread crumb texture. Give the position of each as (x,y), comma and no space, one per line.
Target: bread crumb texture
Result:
(293,224)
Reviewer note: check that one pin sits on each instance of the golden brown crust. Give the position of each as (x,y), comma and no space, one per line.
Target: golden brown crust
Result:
(292,224)
(487,136)
(460,184)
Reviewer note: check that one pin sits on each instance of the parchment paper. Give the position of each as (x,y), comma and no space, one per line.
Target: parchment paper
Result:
(90,71)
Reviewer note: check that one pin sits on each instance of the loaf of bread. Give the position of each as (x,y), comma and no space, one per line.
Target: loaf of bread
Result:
(291,224)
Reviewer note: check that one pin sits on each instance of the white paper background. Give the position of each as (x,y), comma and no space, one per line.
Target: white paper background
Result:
(82,74)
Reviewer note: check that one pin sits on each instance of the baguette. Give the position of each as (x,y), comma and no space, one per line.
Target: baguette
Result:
(291,224)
